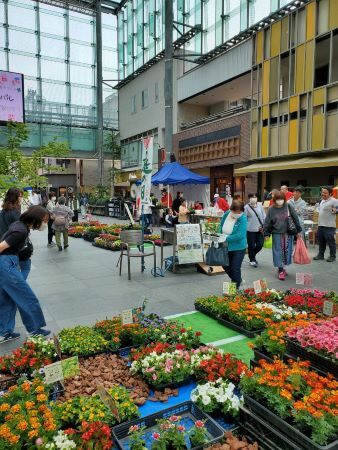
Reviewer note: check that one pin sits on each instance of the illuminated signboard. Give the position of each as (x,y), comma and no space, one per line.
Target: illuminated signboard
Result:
(11,97)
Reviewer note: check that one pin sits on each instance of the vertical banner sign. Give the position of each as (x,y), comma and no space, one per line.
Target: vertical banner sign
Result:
(147,168)
(11,97)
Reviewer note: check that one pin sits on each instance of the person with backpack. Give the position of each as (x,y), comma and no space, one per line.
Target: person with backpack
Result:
(61,216)
(256,215)
(15,291)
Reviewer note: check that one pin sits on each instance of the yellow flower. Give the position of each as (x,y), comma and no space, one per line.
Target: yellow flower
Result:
(41,397)
(39,389)
(16,408)
(22,425)
(29,405)
(32,434)
(4,407)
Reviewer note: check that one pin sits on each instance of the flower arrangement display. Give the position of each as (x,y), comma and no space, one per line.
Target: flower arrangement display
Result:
(152,237)
(120,335)
(311,300)
(297,395)
(34,354)
(220,365)
(82,341)
(91,435)
(152,320)
(320,338)
(24,415)
(267,296)
(219,396)
(165,368)
(272,340)
(76,231)
(90,233)
(174,333)
(280,312)
(210,303)
(60,441)
(109,244)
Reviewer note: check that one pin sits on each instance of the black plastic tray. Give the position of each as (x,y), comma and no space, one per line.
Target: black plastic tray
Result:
(261,355)
(189,413)
(257,430)
(287,357)
(325,365)
(239,329)
(303,441)
(170,385)
(206,311)
(7,383)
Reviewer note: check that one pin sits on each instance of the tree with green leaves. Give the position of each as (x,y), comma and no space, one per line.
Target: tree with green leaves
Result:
(113,147)
(19,170)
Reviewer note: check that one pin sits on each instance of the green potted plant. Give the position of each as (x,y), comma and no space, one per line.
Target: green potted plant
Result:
(136,440)
(198,434)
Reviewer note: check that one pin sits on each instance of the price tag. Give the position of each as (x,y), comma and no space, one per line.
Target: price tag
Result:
(57,345)
(304,279)
(70,367)
(328,308)
(127,317)
(108,401)
(53,372)
(229,288)
(137,314)
(300,278)
(260,286)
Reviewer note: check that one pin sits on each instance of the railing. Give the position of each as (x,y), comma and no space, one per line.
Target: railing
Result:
(212,117)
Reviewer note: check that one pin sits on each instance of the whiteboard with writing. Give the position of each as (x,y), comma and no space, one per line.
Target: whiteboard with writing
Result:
(11,97)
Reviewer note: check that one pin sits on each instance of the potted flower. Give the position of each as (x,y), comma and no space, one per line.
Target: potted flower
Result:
(172,432)
(136,439)
(198,434)
(82,341)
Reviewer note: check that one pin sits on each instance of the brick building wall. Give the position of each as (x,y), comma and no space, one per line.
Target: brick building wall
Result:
(223,166)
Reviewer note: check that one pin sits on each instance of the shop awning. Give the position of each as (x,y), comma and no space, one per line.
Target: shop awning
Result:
(305,162)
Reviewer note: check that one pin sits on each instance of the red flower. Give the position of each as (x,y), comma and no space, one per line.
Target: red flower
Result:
(198,333)
(156,435)
(199,424)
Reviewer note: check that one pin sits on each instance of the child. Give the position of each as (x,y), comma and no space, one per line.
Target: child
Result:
(169,218)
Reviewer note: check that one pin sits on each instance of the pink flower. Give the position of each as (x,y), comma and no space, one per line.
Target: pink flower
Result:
(174,418)
(181,428)
(134,428)
(199,424)
(154,377)
(156,435)
(39,441)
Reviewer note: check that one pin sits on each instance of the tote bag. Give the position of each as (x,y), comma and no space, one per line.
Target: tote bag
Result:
(217,256)
(301,254)
(268,243)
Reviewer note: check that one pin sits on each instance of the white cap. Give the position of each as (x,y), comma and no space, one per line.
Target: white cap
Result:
(216,195)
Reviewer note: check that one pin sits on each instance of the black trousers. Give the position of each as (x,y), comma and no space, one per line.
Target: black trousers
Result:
(76,216)
(255,243)
(235,263)
(327,236)
(50,231)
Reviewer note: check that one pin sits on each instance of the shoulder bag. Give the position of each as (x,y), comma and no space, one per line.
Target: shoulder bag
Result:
(291,226)
(259,220)
(26,251)
(217,256)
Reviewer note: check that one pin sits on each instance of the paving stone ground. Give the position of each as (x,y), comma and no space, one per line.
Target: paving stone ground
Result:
(82,284)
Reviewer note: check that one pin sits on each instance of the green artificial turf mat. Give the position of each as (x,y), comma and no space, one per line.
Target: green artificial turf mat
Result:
(240,349)
(210,328)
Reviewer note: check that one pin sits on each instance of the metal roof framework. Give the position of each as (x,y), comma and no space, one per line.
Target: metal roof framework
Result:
(85,6)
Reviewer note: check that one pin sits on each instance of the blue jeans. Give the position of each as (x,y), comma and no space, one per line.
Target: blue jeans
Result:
(16,293)
(235,263)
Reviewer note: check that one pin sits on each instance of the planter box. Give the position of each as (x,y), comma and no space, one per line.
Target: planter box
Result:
(257,430)
(239,329)
(319,362)
(302,440)
(170,385)
(189,413)
(205,311)
(261,355)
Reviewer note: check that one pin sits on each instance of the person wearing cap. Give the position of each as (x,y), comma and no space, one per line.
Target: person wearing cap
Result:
(299,205)
(166,199)
(220,203)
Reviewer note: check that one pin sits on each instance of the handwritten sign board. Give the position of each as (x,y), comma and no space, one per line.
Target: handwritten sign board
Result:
(304,279)
(260,286)
(53,373)
(11,97)
(229,288)
(127,317)
(189,243)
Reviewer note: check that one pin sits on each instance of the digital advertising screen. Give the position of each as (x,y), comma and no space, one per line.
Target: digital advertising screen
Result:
(11,97)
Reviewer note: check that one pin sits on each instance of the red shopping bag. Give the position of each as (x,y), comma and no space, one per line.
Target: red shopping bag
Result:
(301,255)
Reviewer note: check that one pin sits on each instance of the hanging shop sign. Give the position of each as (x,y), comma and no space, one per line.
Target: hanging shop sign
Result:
(147,168)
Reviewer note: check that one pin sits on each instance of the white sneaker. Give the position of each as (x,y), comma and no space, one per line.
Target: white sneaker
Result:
(253,263)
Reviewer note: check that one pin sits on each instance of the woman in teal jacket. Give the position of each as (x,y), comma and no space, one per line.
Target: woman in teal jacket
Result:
(233,227)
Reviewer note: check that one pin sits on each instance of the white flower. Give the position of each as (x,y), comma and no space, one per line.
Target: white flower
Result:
(206,400)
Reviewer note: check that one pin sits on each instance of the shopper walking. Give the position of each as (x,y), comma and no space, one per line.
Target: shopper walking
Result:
(50,207)
(183,212)
(277,222)
(327,225)
(255,215)
(299,206)
(73,204)
(83,205)
(15,292)
(233,227)
(61,216)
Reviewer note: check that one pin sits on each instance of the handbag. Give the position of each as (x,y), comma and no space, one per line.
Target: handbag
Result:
(26,251)
(291,227)
(217,256)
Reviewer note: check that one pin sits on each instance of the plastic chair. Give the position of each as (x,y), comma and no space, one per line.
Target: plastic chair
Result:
(131,239)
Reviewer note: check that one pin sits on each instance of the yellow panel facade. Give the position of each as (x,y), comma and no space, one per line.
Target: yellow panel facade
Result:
(333,17)
(300,68)
(259,47)
(266,80)
(310,21)
(309,59)
(294,103)
(318,97)
(265,140)
(265,112)
(318,132)
(275,39)
(293,136)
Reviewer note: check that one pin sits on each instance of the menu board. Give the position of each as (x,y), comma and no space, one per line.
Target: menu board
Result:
(189,243)
(11,97)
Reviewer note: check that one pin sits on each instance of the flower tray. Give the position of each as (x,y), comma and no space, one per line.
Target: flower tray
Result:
(124,351)
(205,311)
(6,381)
(287,357)
(317,361)
(188,412)
(105,248)
(258,430)
(239,329)
(160,387)
(261,355)
(293,433)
